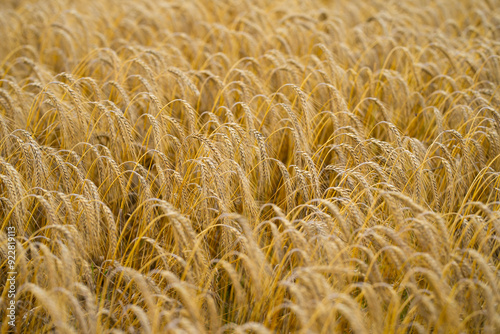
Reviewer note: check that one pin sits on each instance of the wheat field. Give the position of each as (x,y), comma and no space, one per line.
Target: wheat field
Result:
(251,166)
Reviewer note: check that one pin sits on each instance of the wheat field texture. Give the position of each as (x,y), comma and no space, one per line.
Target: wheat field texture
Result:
(251,166)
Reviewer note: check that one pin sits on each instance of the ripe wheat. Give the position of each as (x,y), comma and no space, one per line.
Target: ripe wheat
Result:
(251,166)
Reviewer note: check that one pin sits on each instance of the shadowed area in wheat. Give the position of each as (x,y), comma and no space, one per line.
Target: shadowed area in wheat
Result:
(251,166)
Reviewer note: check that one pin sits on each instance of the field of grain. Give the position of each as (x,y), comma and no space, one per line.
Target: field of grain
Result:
(250,166)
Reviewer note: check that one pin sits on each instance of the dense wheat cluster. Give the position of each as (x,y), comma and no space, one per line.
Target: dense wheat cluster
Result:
(251,166)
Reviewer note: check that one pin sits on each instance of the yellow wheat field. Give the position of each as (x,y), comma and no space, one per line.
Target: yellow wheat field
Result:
(194,166)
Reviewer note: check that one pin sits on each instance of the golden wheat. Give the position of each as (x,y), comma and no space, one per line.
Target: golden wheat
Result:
(251,166)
